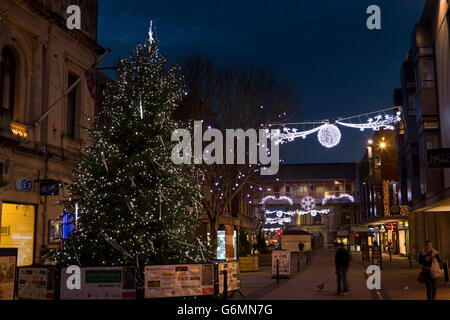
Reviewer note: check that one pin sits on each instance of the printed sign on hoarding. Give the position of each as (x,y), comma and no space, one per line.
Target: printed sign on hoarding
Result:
(233,275)
(179,280)
(8,263)
(103,283)
(284,262)
(36,283)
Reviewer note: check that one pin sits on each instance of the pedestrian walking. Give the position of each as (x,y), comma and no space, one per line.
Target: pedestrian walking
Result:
(342,262)
(389,247)
(301,246)
(431,270)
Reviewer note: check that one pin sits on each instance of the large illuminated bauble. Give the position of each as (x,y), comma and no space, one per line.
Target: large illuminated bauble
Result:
(329,135)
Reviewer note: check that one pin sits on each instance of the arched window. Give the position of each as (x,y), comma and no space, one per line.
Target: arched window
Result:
(7,79)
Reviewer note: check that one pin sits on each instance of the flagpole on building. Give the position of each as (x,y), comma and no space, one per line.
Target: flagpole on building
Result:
(73,86)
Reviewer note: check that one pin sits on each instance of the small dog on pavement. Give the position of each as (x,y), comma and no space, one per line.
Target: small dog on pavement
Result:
(321,287)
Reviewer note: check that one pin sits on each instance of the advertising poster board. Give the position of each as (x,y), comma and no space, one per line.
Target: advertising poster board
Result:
(179,280)
(8,263)
(36,283)
(101,283)
(284,262)
(221,245)
(233,275)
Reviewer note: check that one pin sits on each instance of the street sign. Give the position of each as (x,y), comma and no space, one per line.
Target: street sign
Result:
(49,188)
(24,185)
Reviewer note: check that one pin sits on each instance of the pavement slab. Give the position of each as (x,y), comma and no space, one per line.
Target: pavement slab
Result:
(304,285)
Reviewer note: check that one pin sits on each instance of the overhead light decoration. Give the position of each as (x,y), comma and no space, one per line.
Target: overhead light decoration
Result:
(342,196)
(283,217)
(308,203)
(283,198)
(376,123)
(279,221)
(271,229)
(329,135)
(280,213)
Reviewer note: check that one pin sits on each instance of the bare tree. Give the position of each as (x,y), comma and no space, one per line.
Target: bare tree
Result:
(232,97)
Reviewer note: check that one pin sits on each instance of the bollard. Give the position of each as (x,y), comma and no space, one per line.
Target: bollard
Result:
(225,284)
(278,271)
(445,265)
(298,262)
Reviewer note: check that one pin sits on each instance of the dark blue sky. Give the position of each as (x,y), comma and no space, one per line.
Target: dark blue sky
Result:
(339,66)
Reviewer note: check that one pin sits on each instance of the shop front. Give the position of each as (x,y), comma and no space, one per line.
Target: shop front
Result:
(18,230)
(403,238)
(342,237)
(396,232)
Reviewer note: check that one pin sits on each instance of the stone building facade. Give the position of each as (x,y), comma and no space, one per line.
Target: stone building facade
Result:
(425,141)
(40,59)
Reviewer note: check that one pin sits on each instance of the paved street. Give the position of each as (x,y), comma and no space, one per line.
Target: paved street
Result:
(304,286)
(399,281)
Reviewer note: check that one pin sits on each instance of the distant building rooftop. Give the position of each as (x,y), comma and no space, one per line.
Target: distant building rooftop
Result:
(315,171)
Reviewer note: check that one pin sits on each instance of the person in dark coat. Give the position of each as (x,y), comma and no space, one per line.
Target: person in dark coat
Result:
(301,246)
(426,257)
(342,262)
(389,247)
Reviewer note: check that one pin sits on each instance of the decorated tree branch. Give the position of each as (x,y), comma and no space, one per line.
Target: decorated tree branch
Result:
(232,97)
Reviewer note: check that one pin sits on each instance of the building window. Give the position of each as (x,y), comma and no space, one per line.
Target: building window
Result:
(427,73)
(72,106)
(7,79)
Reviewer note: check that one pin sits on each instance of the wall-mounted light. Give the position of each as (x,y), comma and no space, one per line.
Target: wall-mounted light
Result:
(19,129)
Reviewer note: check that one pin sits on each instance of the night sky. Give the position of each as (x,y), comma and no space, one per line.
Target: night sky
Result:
(339,66)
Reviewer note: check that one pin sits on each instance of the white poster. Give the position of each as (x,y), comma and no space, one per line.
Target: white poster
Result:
(179,280)
(284,262)
(402,241)
(233,275)
(7,277)
(103,283)
(36,283)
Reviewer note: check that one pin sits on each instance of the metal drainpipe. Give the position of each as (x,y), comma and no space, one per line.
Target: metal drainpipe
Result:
(44,212)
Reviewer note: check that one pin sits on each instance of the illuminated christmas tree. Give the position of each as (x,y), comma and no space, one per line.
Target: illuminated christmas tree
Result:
(134,205)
